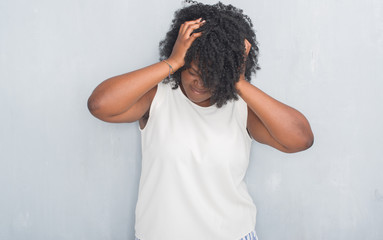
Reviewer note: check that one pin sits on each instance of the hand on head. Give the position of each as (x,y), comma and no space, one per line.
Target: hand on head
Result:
(184,40)
(247,47)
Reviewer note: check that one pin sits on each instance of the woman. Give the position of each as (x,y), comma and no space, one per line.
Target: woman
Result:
(198,114)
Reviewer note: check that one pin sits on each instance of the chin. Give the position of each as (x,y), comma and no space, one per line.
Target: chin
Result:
(197,96)
(202,100)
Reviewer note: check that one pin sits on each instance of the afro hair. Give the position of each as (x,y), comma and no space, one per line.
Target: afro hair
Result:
(219,53)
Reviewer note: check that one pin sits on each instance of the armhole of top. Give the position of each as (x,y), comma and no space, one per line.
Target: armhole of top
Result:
(243,115)
(154,104)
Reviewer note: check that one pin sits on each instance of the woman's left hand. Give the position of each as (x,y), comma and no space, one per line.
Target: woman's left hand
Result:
(247,50)
(272,122)
(247,47)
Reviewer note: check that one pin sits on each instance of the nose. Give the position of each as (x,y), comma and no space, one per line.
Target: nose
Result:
(199,84)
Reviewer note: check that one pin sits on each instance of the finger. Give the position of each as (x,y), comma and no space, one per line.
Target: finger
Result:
(195,35)
(247,46)
(247,50)
(182,29)
(189,23)
(194,21)
(191,28)
(190,41)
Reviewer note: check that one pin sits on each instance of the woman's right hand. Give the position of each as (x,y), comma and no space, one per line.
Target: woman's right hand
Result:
(184,40)
(127,97)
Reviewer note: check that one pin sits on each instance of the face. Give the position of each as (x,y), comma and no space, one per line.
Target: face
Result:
(192,87)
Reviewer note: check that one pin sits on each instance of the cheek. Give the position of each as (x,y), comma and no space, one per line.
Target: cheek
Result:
(185,79)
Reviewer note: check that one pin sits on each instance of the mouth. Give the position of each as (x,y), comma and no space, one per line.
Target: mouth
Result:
(198,91)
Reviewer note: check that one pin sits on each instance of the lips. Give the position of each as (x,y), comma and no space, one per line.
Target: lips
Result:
(197,91)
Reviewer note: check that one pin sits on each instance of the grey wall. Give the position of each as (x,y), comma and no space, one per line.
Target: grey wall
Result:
(66,175)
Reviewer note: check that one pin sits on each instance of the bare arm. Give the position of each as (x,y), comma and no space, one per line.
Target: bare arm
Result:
(272,122)
(120,98)
(127,97)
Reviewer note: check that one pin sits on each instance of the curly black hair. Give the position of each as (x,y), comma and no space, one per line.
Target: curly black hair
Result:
(219,52)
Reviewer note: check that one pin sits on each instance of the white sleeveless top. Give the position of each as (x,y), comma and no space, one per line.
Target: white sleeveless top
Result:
(194,160)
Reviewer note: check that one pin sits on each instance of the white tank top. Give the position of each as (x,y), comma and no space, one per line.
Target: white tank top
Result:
(194,160)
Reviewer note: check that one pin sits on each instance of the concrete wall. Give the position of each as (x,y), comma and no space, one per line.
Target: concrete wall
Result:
(66,175)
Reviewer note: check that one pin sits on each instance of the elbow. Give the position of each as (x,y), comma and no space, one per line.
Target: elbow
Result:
(100,110)
(308,139)
(305,142)
(94,106)
(302,143)
(305,138)
(308,142)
